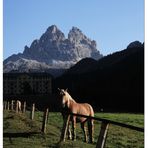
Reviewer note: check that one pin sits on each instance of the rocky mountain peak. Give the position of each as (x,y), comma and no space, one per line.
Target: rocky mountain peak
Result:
(52,29)
(53,33)
(56,51)
(76,30)
(75,35)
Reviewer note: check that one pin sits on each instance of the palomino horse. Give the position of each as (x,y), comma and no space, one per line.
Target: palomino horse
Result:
(69,105)
(18,104)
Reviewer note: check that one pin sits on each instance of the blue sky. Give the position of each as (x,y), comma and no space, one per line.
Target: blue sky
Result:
(112,23)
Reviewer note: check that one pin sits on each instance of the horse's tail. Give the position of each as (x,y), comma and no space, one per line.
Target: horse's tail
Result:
(91,125)
(91,111)
(91,121)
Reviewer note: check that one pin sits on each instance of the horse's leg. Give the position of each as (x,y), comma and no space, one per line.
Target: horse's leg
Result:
(69,131)
(19,107)
(74,128)
(91,130)
(92,135)
(84,131)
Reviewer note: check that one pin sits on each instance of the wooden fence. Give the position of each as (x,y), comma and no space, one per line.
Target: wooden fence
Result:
(104,128)
(15,107)
(104,125)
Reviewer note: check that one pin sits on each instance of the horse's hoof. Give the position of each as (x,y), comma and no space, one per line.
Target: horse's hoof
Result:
(86,141)
(69,138)
(91,141)
(74,139)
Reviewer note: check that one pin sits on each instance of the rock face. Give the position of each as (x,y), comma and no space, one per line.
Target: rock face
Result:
(53,51)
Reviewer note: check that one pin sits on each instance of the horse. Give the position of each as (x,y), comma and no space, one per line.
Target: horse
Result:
(18,104)
(69,105)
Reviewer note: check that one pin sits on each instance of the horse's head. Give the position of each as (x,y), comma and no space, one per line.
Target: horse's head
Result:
(64,97)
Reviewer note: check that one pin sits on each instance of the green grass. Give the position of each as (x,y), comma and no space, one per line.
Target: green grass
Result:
(117,137)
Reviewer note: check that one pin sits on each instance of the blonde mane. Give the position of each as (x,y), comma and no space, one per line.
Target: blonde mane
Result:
(69,97)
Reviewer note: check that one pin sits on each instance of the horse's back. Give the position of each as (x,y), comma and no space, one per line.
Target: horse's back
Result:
(88,108)
(83,109)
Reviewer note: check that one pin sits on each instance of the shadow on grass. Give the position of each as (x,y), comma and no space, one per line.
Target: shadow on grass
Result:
(16,135)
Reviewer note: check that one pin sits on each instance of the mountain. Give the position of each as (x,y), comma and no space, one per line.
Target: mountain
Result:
(83,66)
(134,44)
(113,83)
(53,51)
(87,65)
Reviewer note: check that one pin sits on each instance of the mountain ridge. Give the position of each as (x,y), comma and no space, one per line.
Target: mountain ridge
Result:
(53,50)
(90,65)
(114,83)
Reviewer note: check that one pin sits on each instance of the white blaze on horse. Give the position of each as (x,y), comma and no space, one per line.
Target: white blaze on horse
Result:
(69,105)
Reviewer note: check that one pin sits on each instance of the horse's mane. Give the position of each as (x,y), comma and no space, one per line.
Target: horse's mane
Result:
(69,97)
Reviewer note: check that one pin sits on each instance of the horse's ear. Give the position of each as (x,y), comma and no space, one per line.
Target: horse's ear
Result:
(59,89)
(66,89)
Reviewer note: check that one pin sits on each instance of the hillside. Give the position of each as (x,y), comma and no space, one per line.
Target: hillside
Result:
(114,83)
(83,66)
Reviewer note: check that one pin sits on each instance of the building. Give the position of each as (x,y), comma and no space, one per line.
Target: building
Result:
(27,84)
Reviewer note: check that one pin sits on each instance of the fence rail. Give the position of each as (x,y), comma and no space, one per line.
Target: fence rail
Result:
(111,122)
(104,126)
(103,131)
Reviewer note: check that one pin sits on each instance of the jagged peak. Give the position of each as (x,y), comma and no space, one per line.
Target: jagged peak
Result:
(54,31)
(76,35)
(76,29)
(53,46)
(52,28)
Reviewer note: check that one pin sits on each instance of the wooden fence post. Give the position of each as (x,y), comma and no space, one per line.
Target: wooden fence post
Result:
(103,135)
(32,111)
(8,105)
(45,118)
(24,107)
(12,104)
(64,129)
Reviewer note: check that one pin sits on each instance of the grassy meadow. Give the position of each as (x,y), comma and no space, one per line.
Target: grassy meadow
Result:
(117,137)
